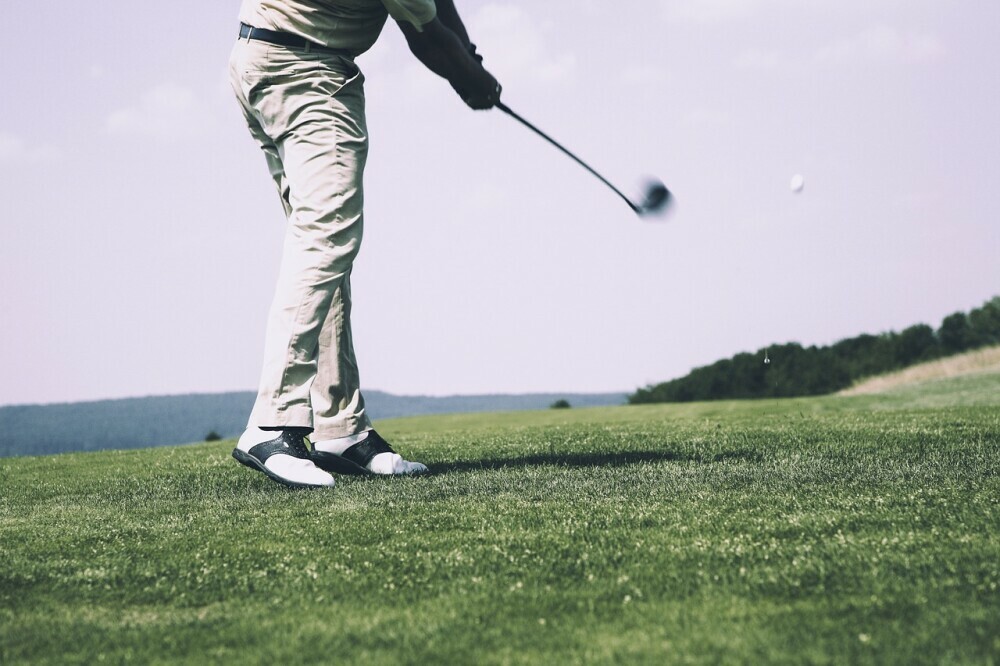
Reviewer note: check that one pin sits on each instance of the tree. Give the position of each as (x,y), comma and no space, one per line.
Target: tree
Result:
(916,343)
(560,404)
(985,323)
(794,370)
(213,436)
(955,333)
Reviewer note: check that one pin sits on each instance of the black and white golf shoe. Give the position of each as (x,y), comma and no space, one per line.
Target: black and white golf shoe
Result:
(367,453)
(283,455)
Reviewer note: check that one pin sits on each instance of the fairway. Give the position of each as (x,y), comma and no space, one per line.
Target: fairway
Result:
(861,529)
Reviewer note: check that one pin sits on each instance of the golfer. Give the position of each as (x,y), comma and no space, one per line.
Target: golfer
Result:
(302,95)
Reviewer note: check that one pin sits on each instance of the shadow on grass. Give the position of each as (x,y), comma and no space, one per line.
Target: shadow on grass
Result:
(590,460)
(554,459)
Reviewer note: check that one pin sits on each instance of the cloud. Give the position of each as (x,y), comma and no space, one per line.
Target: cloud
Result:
(642,74)
(710,119)
(167,111)
(916,202)
(708,11)
(883,44)
(496,26)
(11,147)
(876,45)
(757,59)
(15,150)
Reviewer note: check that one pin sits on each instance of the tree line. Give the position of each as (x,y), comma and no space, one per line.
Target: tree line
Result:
(794,370)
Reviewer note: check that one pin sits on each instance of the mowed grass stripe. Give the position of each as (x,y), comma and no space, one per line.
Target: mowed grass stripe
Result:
(822,530)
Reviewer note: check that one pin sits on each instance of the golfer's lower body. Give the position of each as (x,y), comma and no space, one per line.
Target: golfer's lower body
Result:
(306,111)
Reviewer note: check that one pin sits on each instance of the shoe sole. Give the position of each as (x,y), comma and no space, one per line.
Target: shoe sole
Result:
(334,464)
(245,458)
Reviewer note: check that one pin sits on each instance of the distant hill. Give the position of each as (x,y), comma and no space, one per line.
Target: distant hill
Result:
(132,423)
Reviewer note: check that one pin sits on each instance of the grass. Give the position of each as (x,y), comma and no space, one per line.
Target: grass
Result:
(834,530)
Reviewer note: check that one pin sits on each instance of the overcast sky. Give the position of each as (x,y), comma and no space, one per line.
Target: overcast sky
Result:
(140,231)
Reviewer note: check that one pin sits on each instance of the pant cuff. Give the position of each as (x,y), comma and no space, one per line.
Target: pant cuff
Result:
(292,418)
(341,428)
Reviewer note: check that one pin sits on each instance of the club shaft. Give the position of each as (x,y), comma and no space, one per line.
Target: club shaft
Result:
(503,107)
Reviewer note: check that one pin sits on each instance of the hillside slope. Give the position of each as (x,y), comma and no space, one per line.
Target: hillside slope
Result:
(978,362)
(787,370)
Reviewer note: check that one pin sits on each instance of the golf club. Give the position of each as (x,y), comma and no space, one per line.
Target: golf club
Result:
(656,196)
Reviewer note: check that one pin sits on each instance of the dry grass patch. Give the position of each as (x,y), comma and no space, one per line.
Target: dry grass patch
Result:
(980,361)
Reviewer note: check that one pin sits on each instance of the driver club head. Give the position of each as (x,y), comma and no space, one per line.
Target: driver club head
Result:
(656,199)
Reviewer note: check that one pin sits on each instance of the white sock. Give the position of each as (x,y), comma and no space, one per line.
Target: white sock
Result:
(253,436)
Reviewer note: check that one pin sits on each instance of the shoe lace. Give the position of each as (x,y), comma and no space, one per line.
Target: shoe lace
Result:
(297,443)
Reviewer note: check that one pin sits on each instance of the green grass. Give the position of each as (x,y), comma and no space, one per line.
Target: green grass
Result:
(831,530)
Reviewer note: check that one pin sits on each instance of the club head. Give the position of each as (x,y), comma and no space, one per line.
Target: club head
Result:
(656,199)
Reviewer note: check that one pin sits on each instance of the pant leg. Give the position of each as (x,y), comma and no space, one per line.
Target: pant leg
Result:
(307,113)
(338,405)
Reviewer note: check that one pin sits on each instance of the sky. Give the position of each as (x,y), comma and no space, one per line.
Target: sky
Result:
(140,233)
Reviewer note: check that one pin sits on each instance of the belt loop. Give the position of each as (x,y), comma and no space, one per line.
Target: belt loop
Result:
(308,46)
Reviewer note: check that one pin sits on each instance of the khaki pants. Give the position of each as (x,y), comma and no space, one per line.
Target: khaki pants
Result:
(307,112)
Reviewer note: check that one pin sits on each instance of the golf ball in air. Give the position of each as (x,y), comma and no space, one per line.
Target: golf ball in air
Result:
(798,182)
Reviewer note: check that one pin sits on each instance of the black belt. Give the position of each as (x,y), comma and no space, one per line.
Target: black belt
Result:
(286,39)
